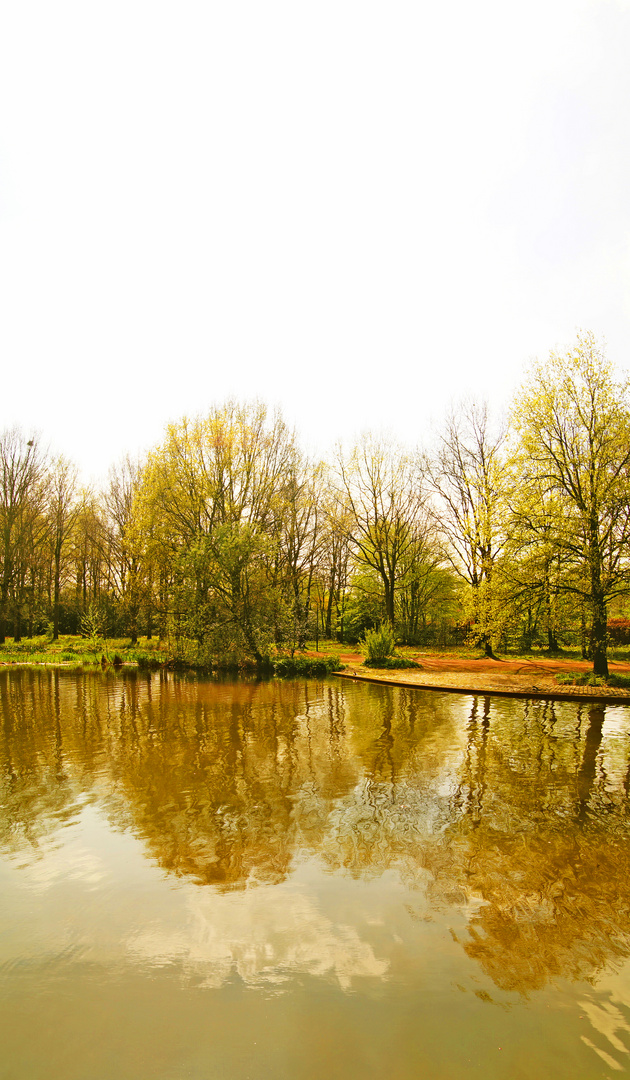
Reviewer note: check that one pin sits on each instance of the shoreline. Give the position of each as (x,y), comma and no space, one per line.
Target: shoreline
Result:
(537,683)
(532,679)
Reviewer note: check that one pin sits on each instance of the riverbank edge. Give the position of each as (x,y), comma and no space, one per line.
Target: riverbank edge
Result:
(606,695)
(459,683)
(282,667)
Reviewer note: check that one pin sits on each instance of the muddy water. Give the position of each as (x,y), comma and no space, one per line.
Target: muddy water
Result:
(280,881)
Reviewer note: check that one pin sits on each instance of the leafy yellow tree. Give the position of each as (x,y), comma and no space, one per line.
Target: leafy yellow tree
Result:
(535,572)
(214,496)
(573,423)
(428,597)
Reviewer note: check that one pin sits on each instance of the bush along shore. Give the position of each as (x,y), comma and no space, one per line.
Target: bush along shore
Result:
(84,653)
(392,663)
(380,648)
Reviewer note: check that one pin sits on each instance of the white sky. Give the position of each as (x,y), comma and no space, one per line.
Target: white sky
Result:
(356,210)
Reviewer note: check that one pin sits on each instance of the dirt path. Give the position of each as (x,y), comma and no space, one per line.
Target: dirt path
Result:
(529,678)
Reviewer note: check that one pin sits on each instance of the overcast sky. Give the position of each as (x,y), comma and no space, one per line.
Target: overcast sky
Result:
(358,211)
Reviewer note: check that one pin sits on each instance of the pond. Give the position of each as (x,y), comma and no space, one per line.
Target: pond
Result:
(291,880)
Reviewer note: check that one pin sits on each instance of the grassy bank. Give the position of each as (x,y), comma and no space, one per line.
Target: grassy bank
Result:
(74,651)
(616,653)
(71,651)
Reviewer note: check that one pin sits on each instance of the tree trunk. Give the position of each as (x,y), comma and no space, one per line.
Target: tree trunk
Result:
(329,607)
(552,641)
(134,611)
(584,637)
(4,600)
(298,616)
(389,600)
(598,601)
(56,596)
(599,636)
(31,603)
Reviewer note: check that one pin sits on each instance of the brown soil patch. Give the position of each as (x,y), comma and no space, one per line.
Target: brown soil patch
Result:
(529,678)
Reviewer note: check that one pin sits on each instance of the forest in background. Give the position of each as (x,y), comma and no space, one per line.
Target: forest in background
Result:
(229,545)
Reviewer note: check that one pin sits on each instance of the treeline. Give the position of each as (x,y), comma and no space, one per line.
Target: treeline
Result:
(228,543)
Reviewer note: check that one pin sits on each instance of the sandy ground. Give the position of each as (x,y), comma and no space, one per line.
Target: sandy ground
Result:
(528,678)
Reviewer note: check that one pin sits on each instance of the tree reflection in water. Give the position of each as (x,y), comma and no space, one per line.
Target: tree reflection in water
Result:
(550,857)
(515,813)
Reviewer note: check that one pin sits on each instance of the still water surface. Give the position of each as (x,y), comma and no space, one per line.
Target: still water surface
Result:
(292,880)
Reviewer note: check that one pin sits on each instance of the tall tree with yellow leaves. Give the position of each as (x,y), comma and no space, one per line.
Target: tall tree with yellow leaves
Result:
(572,418)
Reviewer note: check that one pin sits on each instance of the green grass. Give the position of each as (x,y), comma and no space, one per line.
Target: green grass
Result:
(464,652)
(580,678)
(72,651)
(586,678)
(618,680)
(75,651)
(618,653)
(330,647)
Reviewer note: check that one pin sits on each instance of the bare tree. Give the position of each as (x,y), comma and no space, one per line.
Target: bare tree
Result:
(22,467)
(91,544)
(381,487)
(301,540)
(334,554)
(468,479)
(126,539)
(63,511)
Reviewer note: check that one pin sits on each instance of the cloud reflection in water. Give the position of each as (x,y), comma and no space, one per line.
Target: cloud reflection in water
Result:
(267,935)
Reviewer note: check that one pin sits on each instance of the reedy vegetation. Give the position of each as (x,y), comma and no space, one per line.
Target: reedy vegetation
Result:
(229,544)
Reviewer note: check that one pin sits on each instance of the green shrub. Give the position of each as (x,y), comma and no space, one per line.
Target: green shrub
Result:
(146,661)
(306,666)
(580,678)
(93,627)
(391,663)
(378,644)
(619,680)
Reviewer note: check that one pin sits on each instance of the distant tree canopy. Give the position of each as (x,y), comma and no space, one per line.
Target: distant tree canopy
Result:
(229,543)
